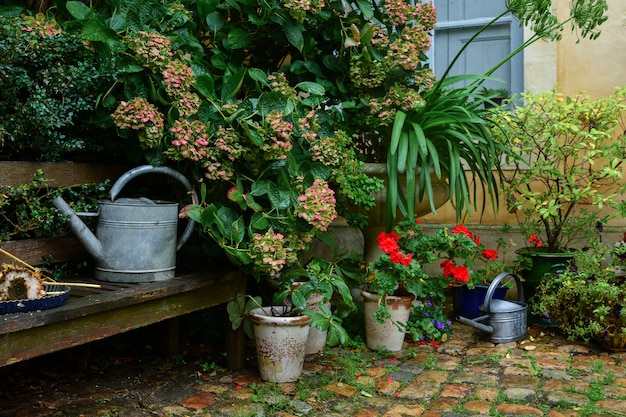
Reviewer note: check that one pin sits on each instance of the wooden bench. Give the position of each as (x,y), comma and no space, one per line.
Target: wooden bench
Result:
(92,314)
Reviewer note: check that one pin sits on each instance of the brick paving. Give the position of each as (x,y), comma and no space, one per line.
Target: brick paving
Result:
(544,375)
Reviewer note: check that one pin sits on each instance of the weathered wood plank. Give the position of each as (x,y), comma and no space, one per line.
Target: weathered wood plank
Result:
(226,283)
(60,174)
(17,346)
(33,251)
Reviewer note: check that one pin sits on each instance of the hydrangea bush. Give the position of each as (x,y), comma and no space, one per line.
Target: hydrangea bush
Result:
(261,104)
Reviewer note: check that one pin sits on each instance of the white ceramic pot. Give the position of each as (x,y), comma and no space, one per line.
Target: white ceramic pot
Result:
(317,338)
(280,343)
(390,333)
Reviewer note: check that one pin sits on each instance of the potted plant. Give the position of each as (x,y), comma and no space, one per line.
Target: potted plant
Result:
(465,262)
(397,283)
(565,173)
(305,297)
(254,128)
(587,299)
(280,354)
(461,253)
(321,291)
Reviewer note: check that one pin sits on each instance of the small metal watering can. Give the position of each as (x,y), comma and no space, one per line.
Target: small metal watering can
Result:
(136,237)
(506,320)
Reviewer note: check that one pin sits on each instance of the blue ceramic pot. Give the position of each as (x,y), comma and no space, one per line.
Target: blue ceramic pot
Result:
(467,302)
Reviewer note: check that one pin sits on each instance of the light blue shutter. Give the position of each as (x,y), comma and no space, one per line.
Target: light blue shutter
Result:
(457,21)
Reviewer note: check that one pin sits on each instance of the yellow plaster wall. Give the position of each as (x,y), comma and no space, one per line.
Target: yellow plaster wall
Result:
(597,66)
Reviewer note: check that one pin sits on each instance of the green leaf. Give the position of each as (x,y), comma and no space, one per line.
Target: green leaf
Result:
(96,31)
(396,131)
(238,256)
(235,310)
(366,8)
(344,291)
(238,231)
(251,203)
(215,21)
(238,39)
(392,191)
(259,221)
(298,299)
(280,199)
(293,34)
(117,23)
(205,86)
(258,75)
(311,87)
(205,7)
(207,217)
(78,9)
(318,320)
(403,149)
(232,84)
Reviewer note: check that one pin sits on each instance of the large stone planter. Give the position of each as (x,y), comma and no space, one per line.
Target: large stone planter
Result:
(376,216)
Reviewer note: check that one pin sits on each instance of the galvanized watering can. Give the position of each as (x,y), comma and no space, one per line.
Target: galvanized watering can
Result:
(505,320)
(136,237)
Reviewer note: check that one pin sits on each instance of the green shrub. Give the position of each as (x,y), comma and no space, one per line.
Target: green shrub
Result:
(49,86)
(26,212)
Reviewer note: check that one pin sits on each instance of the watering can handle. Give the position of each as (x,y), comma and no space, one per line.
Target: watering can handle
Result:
(149,169)
(494,285)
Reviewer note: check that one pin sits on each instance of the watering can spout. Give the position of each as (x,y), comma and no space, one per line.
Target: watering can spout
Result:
(476,324)
(82,232)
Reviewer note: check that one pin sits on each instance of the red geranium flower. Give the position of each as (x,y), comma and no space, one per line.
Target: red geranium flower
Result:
(490,254)
(396,257)
(535,241)
(388,242)
(460,229)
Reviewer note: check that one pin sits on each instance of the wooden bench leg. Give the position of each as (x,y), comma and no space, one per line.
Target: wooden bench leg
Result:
(235,345)
(170,337)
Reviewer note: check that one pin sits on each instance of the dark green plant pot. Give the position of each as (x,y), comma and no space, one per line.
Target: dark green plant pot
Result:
(542,264)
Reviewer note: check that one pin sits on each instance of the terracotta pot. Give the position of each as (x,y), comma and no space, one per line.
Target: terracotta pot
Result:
(616,343)
(280,343)
(390,333)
